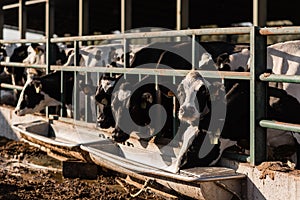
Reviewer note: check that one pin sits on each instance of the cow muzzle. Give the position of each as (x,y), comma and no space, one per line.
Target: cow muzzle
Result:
(188,113)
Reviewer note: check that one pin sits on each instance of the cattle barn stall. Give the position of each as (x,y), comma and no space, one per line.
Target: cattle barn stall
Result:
(258,100)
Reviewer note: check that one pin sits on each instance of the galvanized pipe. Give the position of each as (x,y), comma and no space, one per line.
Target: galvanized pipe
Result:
(280,78)
(280,125)
(160,72)
(22,41)
(15,64)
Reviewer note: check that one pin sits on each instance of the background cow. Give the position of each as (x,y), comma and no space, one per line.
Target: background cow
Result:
(43,91)
(37,56)
(13,75)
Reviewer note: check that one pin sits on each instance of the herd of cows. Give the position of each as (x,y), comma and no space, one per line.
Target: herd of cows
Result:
(126,103)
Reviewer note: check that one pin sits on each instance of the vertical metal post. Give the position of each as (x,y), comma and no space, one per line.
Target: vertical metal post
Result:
(75,90)
(178,14)
(126,15)
(184,14)
(259,12)
(1,22)
(49,32)
(83,23)
(258,97)
(22,19)
(122,16)
(49,12)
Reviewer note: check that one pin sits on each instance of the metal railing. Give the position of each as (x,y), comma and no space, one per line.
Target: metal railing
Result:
(258,86)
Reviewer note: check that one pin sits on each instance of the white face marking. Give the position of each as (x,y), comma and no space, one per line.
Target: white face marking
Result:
(107,84)
(191,86)
(34,57)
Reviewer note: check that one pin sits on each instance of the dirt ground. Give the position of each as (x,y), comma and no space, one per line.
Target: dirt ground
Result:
(26,172)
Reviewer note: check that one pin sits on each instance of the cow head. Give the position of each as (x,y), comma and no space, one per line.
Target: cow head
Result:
(103,99)
(120,101)
(32,98)
(132,106)
(36,54)
(193,97)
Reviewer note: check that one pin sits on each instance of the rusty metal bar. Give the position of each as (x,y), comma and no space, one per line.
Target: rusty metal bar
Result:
(289,30)
(280,78)
(208,31)
(258,97)
(280,125)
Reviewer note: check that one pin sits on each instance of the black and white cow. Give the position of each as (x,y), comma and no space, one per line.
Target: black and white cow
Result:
(175,55)
(236,128)
(37,56)
(43,91)
(282,58)
(103,94)
(90,57)
(13,75)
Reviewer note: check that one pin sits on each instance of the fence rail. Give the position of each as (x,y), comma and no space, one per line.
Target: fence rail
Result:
(256,76)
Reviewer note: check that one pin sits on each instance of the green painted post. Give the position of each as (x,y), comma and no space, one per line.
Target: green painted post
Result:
(258,97)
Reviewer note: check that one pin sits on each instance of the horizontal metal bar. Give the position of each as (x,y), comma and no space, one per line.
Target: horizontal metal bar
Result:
(175,33)
(290,30)
(279,125)
(280,78)
(27,3)
(16,64)
(9,86)
(236,156)
(23,41)
(10,6)
(162,72)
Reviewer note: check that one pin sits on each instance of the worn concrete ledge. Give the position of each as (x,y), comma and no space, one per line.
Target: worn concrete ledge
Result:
(7,118)
(284,186)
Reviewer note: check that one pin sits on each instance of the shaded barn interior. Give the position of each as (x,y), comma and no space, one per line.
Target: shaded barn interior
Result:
(105,15)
